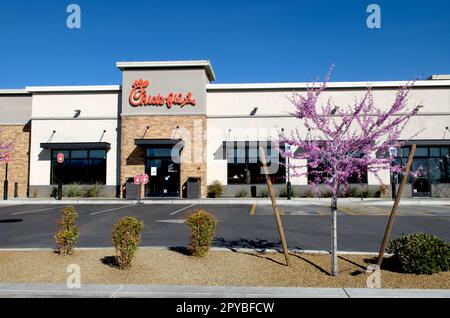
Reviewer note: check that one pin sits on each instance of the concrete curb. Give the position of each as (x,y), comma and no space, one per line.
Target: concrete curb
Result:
(258,201)
(154,291)
(220,249)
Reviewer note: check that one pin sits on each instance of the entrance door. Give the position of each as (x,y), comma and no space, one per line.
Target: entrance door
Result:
(163,172)
(421,186)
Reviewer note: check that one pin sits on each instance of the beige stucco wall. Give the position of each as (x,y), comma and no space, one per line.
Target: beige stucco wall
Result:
(229,117)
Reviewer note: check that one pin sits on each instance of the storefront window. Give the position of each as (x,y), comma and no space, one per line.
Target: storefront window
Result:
(244,166)
(431,163)
(314,173)
(79,166)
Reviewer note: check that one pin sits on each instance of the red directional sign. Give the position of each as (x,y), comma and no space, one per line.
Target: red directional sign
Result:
(60,157)
(137,179)
(6,158)
(144,178)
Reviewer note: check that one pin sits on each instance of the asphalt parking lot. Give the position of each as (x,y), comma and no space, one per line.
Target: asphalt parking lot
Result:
(360,228)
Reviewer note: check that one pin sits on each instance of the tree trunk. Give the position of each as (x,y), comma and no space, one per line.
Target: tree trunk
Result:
(334,265)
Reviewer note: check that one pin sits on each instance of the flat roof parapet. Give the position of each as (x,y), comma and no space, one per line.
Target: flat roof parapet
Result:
(14,92)
(206,64)
(55,89)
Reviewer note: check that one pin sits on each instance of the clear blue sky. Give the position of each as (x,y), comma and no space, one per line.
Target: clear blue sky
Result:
(246,41)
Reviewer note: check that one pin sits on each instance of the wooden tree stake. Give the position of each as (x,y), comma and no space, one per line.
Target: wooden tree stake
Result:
(262,156)
(387,232)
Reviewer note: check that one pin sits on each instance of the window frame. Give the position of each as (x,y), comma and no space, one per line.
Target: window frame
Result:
(69,158)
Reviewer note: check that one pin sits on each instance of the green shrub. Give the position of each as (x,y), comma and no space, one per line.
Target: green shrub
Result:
(352,192)
(202,226)
(326,193)
(283,192)
(382,190)
(364,192)
(263,193)
(215,189)
(308,193)
(126,238)
(53,192)
(243,193)
(74,190)
(420,253)
(67,235)
(93,190)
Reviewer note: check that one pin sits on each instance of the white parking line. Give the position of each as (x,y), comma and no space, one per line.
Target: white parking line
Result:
(38,210)
(113,209)
(175,212)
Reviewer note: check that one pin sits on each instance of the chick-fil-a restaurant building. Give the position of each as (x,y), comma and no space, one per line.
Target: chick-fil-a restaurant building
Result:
(170,121)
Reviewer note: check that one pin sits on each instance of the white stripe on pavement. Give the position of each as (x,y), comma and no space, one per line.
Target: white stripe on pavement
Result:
(175,212)
(113,209)
(38,210)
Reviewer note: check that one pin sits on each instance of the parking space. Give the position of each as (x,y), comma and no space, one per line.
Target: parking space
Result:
(240,225)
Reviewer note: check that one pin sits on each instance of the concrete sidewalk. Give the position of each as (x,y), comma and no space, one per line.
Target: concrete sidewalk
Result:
(150,291)
(234,201)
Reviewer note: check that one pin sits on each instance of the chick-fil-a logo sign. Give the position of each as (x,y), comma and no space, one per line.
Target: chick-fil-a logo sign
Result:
(140,97)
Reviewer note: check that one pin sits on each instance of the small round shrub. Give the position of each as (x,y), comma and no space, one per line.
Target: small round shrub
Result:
(202,226)
(420,253)
(126,238)
(263,193)
(92,191)
(283,193)
(215,189)
(67,235)
(243,193)
(74,190)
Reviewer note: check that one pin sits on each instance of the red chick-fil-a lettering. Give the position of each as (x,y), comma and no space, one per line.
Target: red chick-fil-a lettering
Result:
(139,97)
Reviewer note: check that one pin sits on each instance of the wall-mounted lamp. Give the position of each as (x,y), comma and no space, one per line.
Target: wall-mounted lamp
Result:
(145,132)
(253,112)
(445,132)
(77,113)
(334,110)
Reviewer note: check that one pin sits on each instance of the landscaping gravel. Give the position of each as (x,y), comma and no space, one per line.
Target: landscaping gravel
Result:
(226,268)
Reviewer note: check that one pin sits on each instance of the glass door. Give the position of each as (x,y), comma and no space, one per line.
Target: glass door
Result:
(421,186)
(163,171)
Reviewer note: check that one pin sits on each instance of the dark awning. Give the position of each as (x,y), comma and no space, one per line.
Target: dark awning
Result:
(428,142)
(158,142)
(76,145)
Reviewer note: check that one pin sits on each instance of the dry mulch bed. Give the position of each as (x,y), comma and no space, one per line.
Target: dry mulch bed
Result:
(226,268)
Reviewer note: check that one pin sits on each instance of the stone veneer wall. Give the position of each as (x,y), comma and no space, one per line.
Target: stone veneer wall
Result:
(19,159)
(164,127)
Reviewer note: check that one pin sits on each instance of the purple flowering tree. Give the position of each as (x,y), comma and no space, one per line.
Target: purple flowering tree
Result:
(349,141)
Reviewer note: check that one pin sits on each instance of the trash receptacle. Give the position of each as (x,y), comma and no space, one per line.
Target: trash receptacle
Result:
(193,188)
(253,191)
(131,190)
